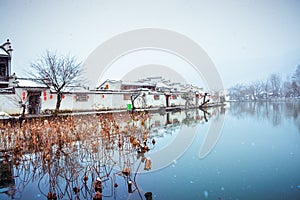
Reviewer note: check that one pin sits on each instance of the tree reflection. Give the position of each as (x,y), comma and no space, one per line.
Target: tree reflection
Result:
(65,156)
(272,112)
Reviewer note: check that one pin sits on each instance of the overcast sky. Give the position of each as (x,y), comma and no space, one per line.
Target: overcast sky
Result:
(246,40)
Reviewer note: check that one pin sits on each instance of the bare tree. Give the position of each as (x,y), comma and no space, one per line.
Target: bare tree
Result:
(287,89)
(275,84)
(295,89)
(134,97)
(251,92)
(238,92)
(258,87)
(59,71)
(296,75)
(296,81)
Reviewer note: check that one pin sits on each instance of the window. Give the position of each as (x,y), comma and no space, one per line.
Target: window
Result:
(82,97)
(126,97)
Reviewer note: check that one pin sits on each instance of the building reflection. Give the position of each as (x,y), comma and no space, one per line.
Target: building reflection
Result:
(68,156)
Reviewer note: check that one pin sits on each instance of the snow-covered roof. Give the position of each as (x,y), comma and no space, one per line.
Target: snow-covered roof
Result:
(75,89)
(4,115)
(3,52)
(6,90)
(162,85)
(136,83)
(109,81)
(112,81)
(155,77)
(30,83)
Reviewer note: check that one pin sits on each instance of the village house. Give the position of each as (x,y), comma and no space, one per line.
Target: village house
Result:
(5,63)
(15,92)
(29,96)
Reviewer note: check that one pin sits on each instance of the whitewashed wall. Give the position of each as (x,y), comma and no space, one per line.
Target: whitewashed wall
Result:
(95,101)
(152,102)
(8,104)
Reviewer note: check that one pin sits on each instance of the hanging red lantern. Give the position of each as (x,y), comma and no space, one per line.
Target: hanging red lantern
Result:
(23,95)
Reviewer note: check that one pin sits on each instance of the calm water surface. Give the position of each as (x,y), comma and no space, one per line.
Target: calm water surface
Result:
(255,155)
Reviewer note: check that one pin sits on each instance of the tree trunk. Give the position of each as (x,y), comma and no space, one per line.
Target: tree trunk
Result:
(58,102)
(132,102)
(167,100)
(133,98)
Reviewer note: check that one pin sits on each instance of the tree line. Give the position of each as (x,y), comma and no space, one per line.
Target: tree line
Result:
(274,87)
(60,71)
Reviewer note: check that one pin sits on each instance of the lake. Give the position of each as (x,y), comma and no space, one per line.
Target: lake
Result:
(245,150)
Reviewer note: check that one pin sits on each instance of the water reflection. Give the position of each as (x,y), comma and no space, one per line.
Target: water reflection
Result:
(87,156)
(272,112)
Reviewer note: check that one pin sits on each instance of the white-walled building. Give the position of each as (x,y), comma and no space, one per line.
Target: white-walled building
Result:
(5,63)
(24,94)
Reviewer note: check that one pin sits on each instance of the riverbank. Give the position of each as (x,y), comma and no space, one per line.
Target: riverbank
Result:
(4,116)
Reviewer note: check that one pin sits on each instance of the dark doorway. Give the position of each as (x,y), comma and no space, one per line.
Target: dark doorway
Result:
(34,102)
